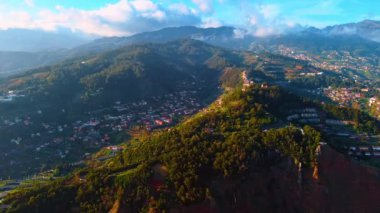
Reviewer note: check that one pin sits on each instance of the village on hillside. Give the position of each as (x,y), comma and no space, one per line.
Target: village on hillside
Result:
(105,127)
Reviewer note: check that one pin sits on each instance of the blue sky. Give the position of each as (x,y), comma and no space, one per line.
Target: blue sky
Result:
(125,17)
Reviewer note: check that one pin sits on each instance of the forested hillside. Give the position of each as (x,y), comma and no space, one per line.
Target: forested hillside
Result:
(143,86)
(127,74)
(183,165)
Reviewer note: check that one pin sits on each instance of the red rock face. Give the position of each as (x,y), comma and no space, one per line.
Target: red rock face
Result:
(338,184)
(350,186)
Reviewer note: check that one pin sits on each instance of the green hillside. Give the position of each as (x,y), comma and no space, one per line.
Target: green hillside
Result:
(172,80)
(127,74)
(180,166)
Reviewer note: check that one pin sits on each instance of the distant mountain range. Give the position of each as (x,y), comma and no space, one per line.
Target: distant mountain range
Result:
(221,36)
(362,37)
(15,62)
(230,37)
(367,29)
(21,49)
(21,40)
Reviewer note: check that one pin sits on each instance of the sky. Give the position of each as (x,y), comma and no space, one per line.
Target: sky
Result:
(127,17)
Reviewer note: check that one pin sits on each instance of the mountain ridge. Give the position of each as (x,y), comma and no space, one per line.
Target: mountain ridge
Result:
(126,74)
(366,29)
(24,40)
(225,37)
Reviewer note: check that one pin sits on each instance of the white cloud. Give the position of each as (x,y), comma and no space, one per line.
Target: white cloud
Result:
(144,5)
(263,31)
(240,33)
(126,17)
(211,22)
(269,11)
(119,12)
(205,6)
(266,19)
(121,18)
(253,20)
(158,15)
(180,8)
(16,19)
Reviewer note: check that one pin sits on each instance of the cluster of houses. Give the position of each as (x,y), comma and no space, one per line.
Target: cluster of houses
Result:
(17,120)
(334,127)
(306,115)
(345,96)
(115,148)
(311,74)
(10,96)
(171,106)
(60,140)
(158,112)
(293,53)
(312,116)
(332,60)
(364,151)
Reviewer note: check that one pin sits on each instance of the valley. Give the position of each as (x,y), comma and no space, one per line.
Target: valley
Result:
(42,146)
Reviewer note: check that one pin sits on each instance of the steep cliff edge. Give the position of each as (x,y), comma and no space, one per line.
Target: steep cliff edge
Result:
(336,184)
(351,186)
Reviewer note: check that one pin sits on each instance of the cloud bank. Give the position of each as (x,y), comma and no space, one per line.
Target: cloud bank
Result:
(122,18)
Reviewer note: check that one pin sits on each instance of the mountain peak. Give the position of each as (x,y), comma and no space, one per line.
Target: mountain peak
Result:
(371,24)
(366,29)
(214,36)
